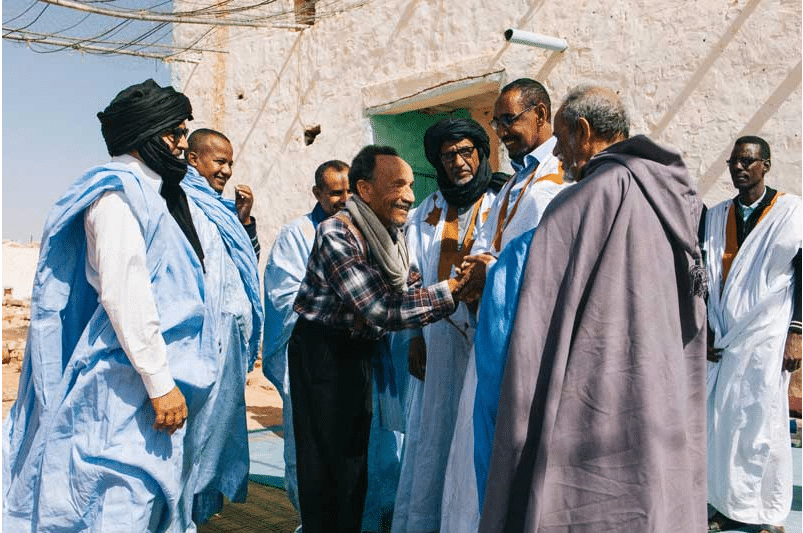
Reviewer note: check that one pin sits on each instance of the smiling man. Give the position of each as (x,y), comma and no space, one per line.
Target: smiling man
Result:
(232,297)
(358,285)
(285,268)
(522,120)
(754,311)
(211,154)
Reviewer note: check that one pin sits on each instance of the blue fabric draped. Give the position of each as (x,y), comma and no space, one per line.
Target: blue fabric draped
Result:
(223,213)
(285,268)
(222,467)
(284,271)
(494,324)
(79,450)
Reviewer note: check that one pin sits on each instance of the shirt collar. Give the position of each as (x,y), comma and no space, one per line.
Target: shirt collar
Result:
(140,169)
(754,204)
(540,153)
(318,215)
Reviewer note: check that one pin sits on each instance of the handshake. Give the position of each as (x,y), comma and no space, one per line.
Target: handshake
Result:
(467,285)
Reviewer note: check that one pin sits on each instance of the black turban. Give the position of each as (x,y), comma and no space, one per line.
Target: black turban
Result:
(456,129)
(140,112)
(135,120)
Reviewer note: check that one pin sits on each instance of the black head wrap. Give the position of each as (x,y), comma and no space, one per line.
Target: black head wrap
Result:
(136,120)
(456,129)
(140,112)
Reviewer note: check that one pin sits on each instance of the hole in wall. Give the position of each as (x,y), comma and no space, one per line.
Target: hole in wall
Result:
(311,133)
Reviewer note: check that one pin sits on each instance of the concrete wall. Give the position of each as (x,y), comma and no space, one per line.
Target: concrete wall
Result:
(693,75)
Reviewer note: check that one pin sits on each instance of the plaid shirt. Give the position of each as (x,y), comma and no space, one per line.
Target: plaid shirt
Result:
(342,278)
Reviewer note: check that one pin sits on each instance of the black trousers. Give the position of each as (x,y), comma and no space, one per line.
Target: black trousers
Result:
(330,390)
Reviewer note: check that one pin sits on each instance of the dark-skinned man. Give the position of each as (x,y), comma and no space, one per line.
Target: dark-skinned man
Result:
(753,256)
(523,122)
(211,154)
(440,234)
(596,403)
(232,296)
(358,285)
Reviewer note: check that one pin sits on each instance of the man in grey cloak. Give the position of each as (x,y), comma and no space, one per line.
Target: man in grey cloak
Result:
(601,412)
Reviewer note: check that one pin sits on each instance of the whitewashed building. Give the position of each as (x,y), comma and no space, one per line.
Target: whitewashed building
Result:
(694,75)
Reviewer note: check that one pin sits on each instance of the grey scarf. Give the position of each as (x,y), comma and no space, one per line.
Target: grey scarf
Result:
(392,256)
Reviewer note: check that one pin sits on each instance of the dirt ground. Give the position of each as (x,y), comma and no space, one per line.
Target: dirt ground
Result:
(263,403)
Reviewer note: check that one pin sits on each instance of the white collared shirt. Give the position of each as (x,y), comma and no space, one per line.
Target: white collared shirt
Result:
(116,268)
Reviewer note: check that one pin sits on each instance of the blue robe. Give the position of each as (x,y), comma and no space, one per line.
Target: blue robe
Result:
(286,266)
(495,322)
(79,450)
(232,297)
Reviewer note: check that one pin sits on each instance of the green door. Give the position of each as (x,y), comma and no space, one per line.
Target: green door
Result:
(405,133)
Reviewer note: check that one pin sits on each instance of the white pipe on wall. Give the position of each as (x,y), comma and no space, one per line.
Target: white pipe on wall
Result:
(536,39)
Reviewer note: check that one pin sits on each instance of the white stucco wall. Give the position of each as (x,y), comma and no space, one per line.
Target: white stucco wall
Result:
(693,75)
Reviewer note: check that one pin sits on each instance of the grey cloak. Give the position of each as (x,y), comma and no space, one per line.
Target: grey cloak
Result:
(601,418)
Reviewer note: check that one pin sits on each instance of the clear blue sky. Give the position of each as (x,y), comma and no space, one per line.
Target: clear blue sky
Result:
(51,133)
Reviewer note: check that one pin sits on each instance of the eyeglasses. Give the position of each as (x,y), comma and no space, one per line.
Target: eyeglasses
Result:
(465,153)
(744,161)
(177,133)
(507,120)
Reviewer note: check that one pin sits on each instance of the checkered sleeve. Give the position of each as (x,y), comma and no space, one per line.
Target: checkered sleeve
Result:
(362,286)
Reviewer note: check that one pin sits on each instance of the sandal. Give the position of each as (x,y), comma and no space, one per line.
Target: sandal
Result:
(720,522)
(769,528)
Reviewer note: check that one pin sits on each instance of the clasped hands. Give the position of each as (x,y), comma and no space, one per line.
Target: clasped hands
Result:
(469,282)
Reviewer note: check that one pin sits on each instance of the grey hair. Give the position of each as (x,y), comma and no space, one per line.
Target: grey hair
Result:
(600,107)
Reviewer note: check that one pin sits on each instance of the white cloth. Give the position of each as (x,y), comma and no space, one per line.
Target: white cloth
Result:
(460,509)
(531,206)
(116,269)
(433,403)
(749,456)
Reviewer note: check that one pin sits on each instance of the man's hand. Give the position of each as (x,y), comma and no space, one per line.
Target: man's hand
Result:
(171,411)
(417,358)
(243,202)
(473,269)
(791,352)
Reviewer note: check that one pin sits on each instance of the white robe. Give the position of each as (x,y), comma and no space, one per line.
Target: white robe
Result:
(534,200)
(460,507)
(433,403)
(749,455)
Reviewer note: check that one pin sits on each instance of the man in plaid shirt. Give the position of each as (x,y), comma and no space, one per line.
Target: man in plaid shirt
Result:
(358,286)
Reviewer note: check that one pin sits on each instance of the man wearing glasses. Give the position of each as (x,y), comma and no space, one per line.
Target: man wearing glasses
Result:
(753,244)
(523,122)
(115,361)
(440,234)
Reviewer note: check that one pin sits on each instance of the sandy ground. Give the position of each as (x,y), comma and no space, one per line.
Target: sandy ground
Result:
(263,403)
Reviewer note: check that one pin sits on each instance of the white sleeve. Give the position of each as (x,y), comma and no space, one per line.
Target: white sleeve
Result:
(116,253)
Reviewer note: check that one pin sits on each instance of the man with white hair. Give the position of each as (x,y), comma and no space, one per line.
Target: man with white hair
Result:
(596,403)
